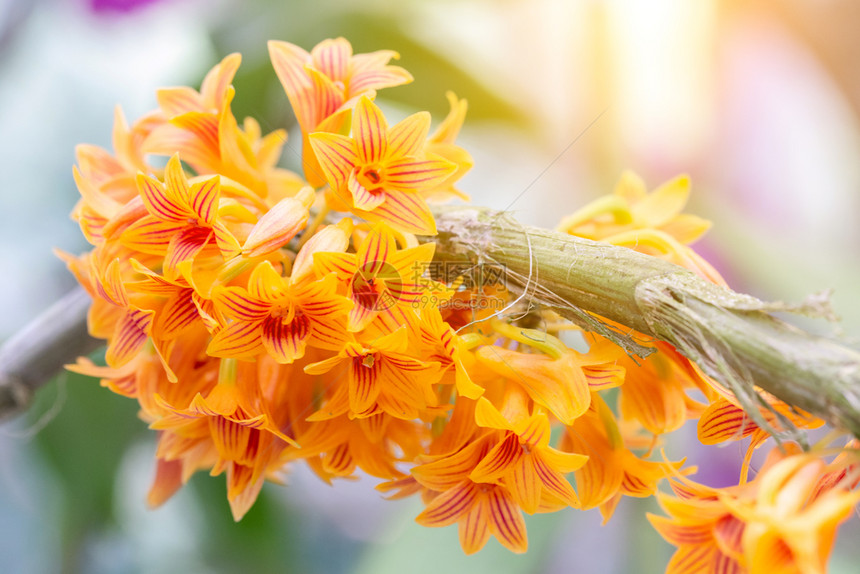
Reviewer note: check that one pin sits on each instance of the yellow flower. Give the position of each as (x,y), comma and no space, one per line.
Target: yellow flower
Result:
(279,316)
(325,84)
(650,223)
(380,172)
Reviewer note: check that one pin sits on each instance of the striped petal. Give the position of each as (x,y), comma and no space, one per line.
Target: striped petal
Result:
(448,507)
(409,174)
(168,139)
(369,73)
(408,136)
(406,212)
(178,314)
(204,199)
(552,481)
(184,246)
(370,131)
(474,530)
(339,461)
(506,521)
(602,377)
(226,241)
(524,484)
(331,57)
(337,156)
(500,461)
(327,98)
(363,384)
(218,80)
(266,284)
(236,303)
(130,334)
(692,560)
(723,421)
(680,533)
(151,235)
(375,250)
(159,202)
(289,62)
(445,473)
(203,126)
(240,339)
(175,182)
(286,342)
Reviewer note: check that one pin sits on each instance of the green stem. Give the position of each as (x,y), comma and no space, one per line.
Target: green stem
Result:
(732,337)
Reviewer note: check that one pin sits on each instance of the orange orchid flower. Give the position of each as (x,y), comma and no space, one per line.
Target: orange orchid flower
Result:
(612,469)
(380,172)
(380,278)
(523,459)
(380,377)
(323,85)
(480,509)
(200,126)
(182,219)
(279,316)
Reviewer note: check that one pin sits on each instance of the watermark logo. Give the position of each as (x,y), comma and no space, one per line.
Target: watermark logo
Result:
(379,286)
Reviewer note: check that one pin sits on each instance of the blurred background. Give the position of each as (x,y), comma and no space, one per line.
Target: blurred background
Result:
(757,100)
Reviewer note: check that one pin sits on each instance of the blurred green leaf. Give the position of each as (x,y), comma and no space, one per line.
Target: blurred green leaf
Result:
(84,445)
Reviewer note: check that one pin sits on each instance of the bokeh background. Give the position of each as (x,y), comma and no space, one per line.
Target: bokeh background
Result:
(757,100)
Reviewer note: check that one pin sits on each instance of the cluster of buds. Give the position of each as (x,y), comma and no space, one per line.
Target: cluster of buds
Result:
(261,317)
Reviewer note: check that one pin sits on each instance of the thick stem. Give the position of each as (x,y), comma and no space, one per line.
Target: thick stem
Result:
(37,352)
(731,336)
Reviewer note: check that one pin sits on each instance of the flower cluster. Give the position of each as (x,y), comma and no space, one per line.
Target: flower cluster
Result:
(262,317)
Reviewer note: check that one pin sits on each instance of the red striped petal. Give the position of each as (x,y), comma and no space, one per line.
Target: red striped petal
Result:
(339,461)
(474,528)
(236,303)
(178,314)
(500,461)
(331,57)
(204,199)
(370,131)
(403,211)
(363,383)
(724,421)
(525,485)
(409,174)
(327,97)
(286,342)
(130,334)
(289,62)
(239,339)
(552,481)
(375,79)
(160,203)
(448,507)
(151,235)
(692,560)
(185,246)
(602,377)
(506,521)
(407,137)
(203,125)
(681,533)
(337,156)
